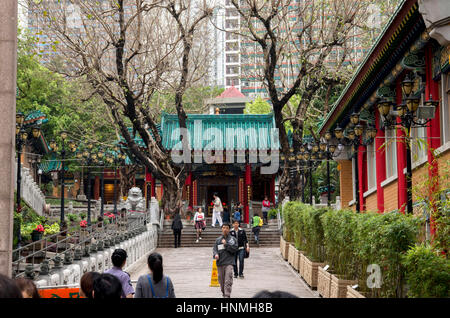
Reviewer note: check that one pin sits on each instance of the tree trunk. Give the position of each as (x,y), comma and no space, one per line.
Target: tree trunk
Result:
(126,179)
(172,197)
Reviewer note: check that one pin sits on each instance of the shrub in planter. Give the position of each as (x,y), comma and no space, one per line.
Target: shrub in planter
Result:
(310,270)
(338,286)
(339,231)
(427,272)
(382,239)
(323,282)
(272,214)
(352,293)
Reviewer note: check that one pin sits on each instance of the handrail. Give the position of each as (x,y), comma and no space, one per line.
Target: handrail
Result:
(97,232)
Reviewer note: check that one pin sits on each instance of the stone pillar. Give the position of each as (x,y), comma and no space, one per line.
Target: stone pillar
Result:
(8,71)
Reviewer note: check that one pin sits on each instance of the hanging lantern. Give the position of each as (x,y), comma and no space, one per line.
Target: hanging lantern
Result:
(372,131)
(338,132)
(351,134)
(20,117)
(407,86)
(36,132)
(358,130)
(332,148)
(401,110)
(354,118)
(412,103)
(306,156)
(315,148)
(384,107)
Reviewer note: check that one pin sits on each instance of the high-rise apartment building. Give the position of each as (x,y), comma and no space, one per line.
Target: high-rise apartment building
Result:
(238,60)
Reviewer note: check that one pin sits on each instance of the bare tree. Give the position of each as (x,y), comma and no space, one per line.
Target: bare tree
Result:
(128,50)
(305,47)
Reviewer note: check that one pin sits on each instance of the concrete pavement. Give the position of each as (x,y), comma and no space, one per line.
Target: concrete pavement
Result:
(190,270)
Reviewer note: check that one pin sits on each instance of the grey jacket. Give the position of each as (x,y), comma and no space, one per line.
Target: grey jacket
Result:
(225,251)
(143,289)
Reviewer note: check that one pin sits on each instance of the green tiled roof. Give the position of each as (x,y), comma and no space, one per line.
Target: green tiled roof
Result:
(216,132)
(226,131)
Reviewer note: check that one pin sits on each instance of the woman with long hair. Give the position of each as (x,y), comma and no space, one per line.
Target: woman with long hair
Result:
(199,219)
(155,284)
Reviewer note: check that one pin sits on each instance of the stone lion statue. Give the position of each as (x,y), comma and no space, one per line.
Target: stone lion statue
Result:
(135,200)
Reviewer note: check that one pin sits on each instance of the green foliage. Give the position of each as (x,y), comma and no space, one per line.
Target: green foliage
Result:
(382,239)
(427,273)
(51,229)
(83,215)
(272,214)
(258,106)
(72,217)
(339,227)
(304,226)
(350,242)
(66,103)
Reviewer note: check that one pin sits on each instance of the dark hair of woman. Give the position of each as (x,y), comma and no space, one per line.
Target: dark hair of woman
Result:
(87,283)
(155,264)
(26,285)
(107,286)
(8,288)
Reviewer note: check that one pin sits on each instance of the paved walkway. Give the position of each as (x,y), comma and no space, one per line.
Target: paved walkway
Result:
(190,271)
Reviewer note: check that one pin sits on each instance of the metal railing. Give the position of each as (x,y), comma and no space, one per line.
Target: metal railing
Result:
(74,244)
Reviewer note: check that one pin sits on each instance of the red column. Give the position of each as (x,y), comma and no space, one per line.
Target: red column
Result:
(362,174)
(188,184)
(380,160)
(247,191)
(153,186)
(401,154)
(433,131)
(97,188)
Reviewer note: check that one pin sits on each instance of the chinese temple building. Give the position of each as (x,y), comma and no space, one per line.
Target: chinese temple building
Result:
(405,77)
(227,152)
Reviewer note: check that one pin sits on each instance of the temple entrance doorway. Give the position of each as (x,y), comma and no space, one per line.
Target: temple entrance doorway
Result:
(222,192)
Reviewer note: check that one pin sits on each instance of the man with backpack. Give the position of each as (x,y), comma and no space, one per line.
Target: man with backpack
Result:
(256,227)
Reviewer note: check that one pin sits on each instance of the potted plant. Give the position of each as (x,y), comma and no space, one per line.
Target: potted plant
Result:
(324,281)
(353,293)
(338,287)
(37,233)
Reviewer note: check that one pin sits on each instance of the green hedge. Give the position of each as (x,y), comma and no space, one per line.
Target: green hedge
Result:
(350,242)
(427,272)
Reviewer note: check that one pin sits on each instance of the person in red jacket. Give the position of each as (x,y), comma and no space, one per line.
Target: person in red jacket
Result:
(265,208)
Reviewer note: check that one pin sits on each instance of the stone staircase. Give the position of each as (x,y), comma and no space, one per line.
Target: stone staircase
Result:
(269,235)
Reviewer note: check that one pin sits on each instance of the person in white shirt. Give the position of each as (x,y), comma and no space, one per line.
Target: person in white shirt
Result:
(217,209)
(199,220)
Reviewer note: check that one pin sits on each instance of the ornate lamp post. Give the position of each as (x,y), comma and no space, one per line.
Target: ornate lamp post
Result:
(353,139)
(22,134)
(411,114)
(115,160)
(62,153)
(101,157)
(89,158)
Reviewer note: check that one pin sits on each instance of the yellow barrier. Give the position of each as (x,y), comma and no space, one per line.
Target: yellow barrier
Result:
(214,277)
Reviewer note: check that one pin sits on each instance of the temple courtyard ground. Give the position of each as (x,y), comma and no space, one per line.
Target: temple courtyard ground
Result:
(190,270)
